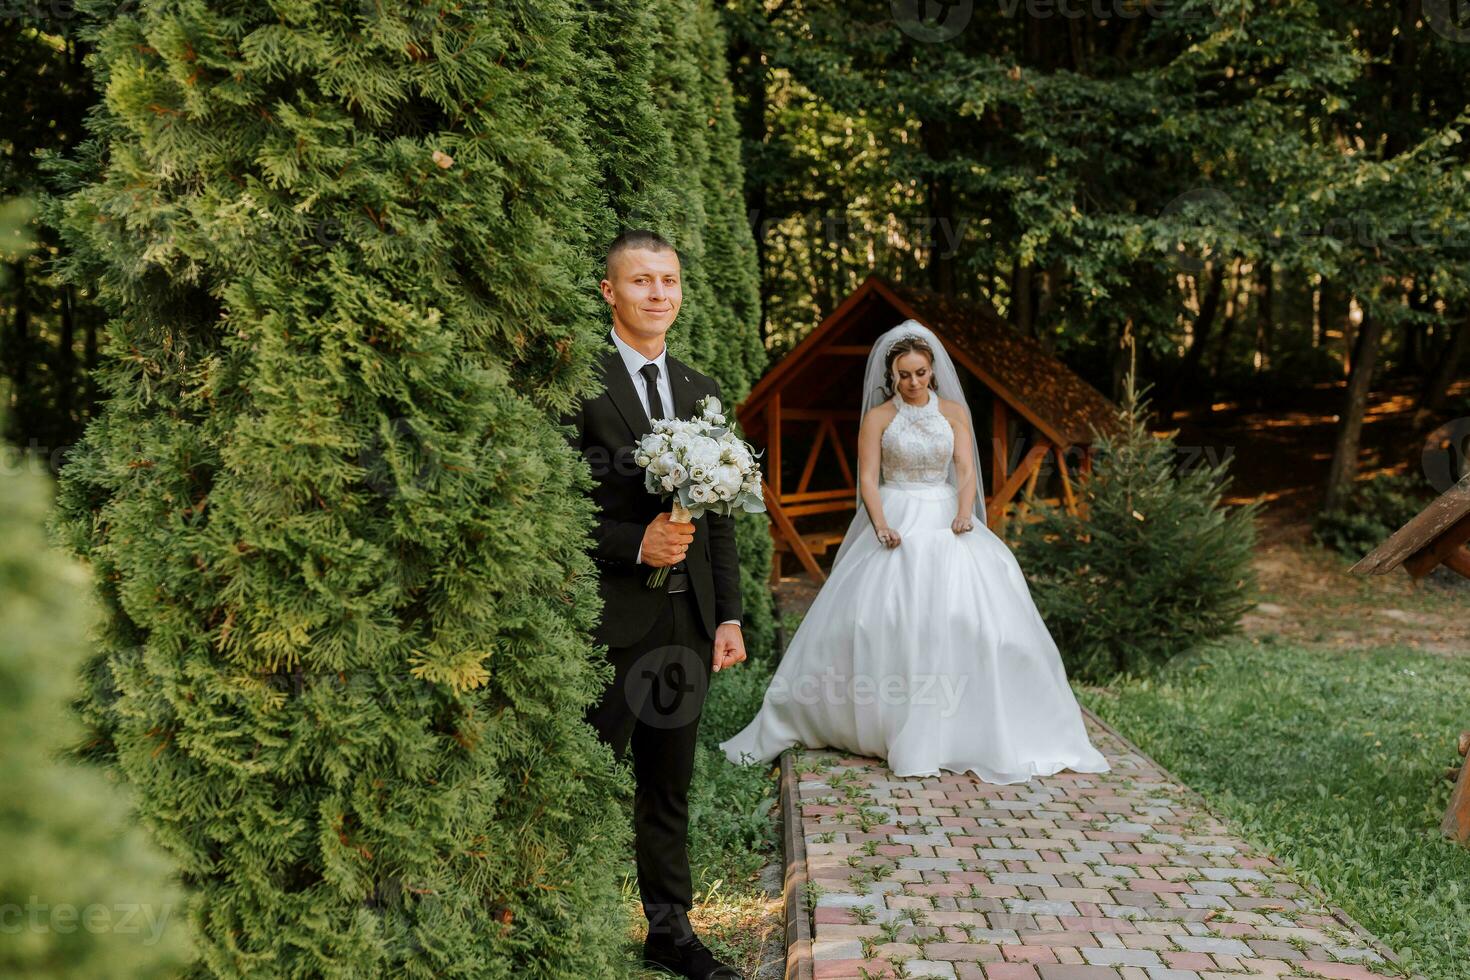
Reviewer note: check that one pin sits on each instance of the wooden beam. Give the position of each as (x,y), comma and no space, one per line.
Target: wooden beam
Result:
(847,350)
(1000,440)
(996,515)
(1024,504)
(819,414)
(1444,519)
(1456,824)
(792,536)
(842,460)
(834,493)
(811,458)
(1458,561)
(1423,561)
(773,443)
(1066,480)
(822,507)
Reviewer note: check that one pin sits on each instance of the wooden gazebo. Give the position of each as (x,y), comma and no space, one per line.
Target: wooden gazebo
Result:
(805,411)
(1436,536)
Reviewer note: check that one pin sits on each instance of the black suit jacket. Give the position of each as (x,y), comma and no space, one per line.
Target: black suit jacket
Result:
(606,430)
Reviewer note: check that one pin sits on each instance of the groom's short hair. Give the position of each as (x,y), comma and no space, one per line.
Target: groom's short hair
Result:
(637,238)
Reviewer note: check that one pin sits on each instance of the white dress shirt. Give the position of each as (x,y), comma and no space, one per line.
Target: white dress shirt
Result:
(634,361)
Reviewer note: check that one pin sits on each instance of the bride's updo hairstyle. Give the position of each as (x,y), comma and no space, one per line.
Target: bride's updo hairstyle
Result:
(902,346)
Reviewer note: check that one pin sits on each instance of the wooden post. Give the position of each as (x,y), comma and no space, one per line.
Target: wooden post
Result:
(1024,504)
(789,532)
(1000,440)
(1066,480)
(773,443)
(1456,825)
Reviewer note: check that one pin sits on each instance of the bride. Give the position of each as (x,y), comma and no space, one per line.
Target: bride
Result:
(924,647)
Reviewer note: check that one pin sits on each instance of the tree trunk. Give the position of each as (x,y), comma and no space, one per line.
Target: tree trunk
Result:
(1188,373)
(1437,391)
(1355,403)
(66,360)
(941,211)
(1021,298)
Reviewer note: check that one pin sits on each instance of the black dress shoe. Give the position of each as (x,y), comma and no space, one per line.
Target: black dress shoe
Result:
(690,958)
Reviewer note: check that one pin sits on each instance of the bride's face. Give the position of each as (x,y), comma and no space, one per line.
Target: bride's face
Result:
(912,375)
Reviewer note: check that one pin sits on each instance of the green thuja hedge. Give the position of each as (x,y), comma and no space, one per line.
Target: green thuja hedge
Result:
(83,896)
(339,544)
(1153,567)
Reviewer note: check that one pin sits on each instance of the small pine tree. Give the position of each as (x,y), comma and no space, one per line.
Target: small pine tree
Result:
(1153,564)
(83,894)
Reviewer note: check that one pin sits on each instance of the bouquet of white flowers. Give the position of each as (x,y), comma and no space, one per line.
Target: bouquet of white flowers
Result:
(704,466)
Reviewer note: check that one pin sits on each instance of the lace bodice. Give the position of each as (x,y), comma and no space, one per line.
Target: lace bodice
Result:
(918,444)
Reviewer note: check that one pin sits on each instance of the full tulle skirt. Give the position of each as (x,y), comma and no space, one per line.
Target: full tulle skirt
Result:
(931,655)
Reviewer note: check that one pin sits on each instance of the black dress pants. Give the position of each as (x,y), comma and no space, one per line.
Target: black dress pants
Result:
(654,704)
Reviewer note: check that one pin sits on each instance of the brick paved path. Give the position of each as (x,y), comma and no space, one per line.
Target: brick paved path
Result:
(1115,876)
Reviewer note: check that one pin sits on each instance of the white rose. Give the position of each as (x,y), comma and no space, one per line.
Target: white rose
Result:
(678,474)
(712,405)
(727,479)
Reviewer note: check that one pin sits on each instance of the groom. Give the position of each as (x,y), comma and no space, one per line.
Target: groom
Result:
(663,643)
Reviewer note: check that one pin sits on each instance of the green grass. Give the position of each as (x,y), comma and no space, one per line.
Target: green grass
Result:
(1331,761)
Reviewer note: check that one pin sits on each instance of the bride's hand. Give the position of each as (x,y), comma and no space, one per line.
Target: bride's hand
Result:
(963,523)
(888,537)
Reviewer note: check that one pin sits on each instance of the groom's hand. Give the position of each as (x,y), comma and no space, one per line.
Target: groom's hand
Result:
(729,645)
(666,542)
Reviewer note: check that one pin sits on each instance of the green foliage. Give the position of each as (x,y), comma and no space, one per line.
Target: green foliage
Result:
(1331,761)
(82,892)
(1375,509)
(1151,566)
(340,544)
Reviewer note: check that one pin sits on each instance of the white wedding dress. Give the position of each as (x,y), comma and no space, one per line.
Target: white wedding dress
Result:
(930,655)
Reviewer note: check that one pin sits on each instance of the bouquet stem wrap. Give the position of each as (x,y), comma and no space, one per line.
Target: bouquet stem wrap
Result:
(681,515)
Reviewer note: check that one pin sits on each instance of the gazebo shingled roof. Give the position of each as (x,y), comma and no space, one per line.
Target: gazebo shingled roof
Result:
(817,382)
(1017,366)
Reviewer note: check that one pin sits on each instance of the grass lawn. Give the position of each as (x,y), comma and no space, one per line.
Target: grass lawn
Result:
(1330,760)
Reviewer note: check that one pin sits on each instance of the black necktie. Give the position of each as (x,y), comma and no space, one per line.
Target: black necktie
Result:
(655,403)
(656,411)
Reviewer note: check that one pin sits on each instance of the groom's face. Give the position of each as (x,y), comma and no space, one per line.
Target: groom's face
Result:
(644,289)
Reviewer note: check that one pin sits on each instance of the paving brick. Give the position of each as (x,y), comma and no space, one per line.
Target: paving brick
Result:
(1097,876)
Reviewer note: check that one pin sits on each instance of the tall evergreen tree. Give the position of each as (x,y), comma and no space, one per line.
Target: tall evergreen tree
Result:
(84,895)
(339,543)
